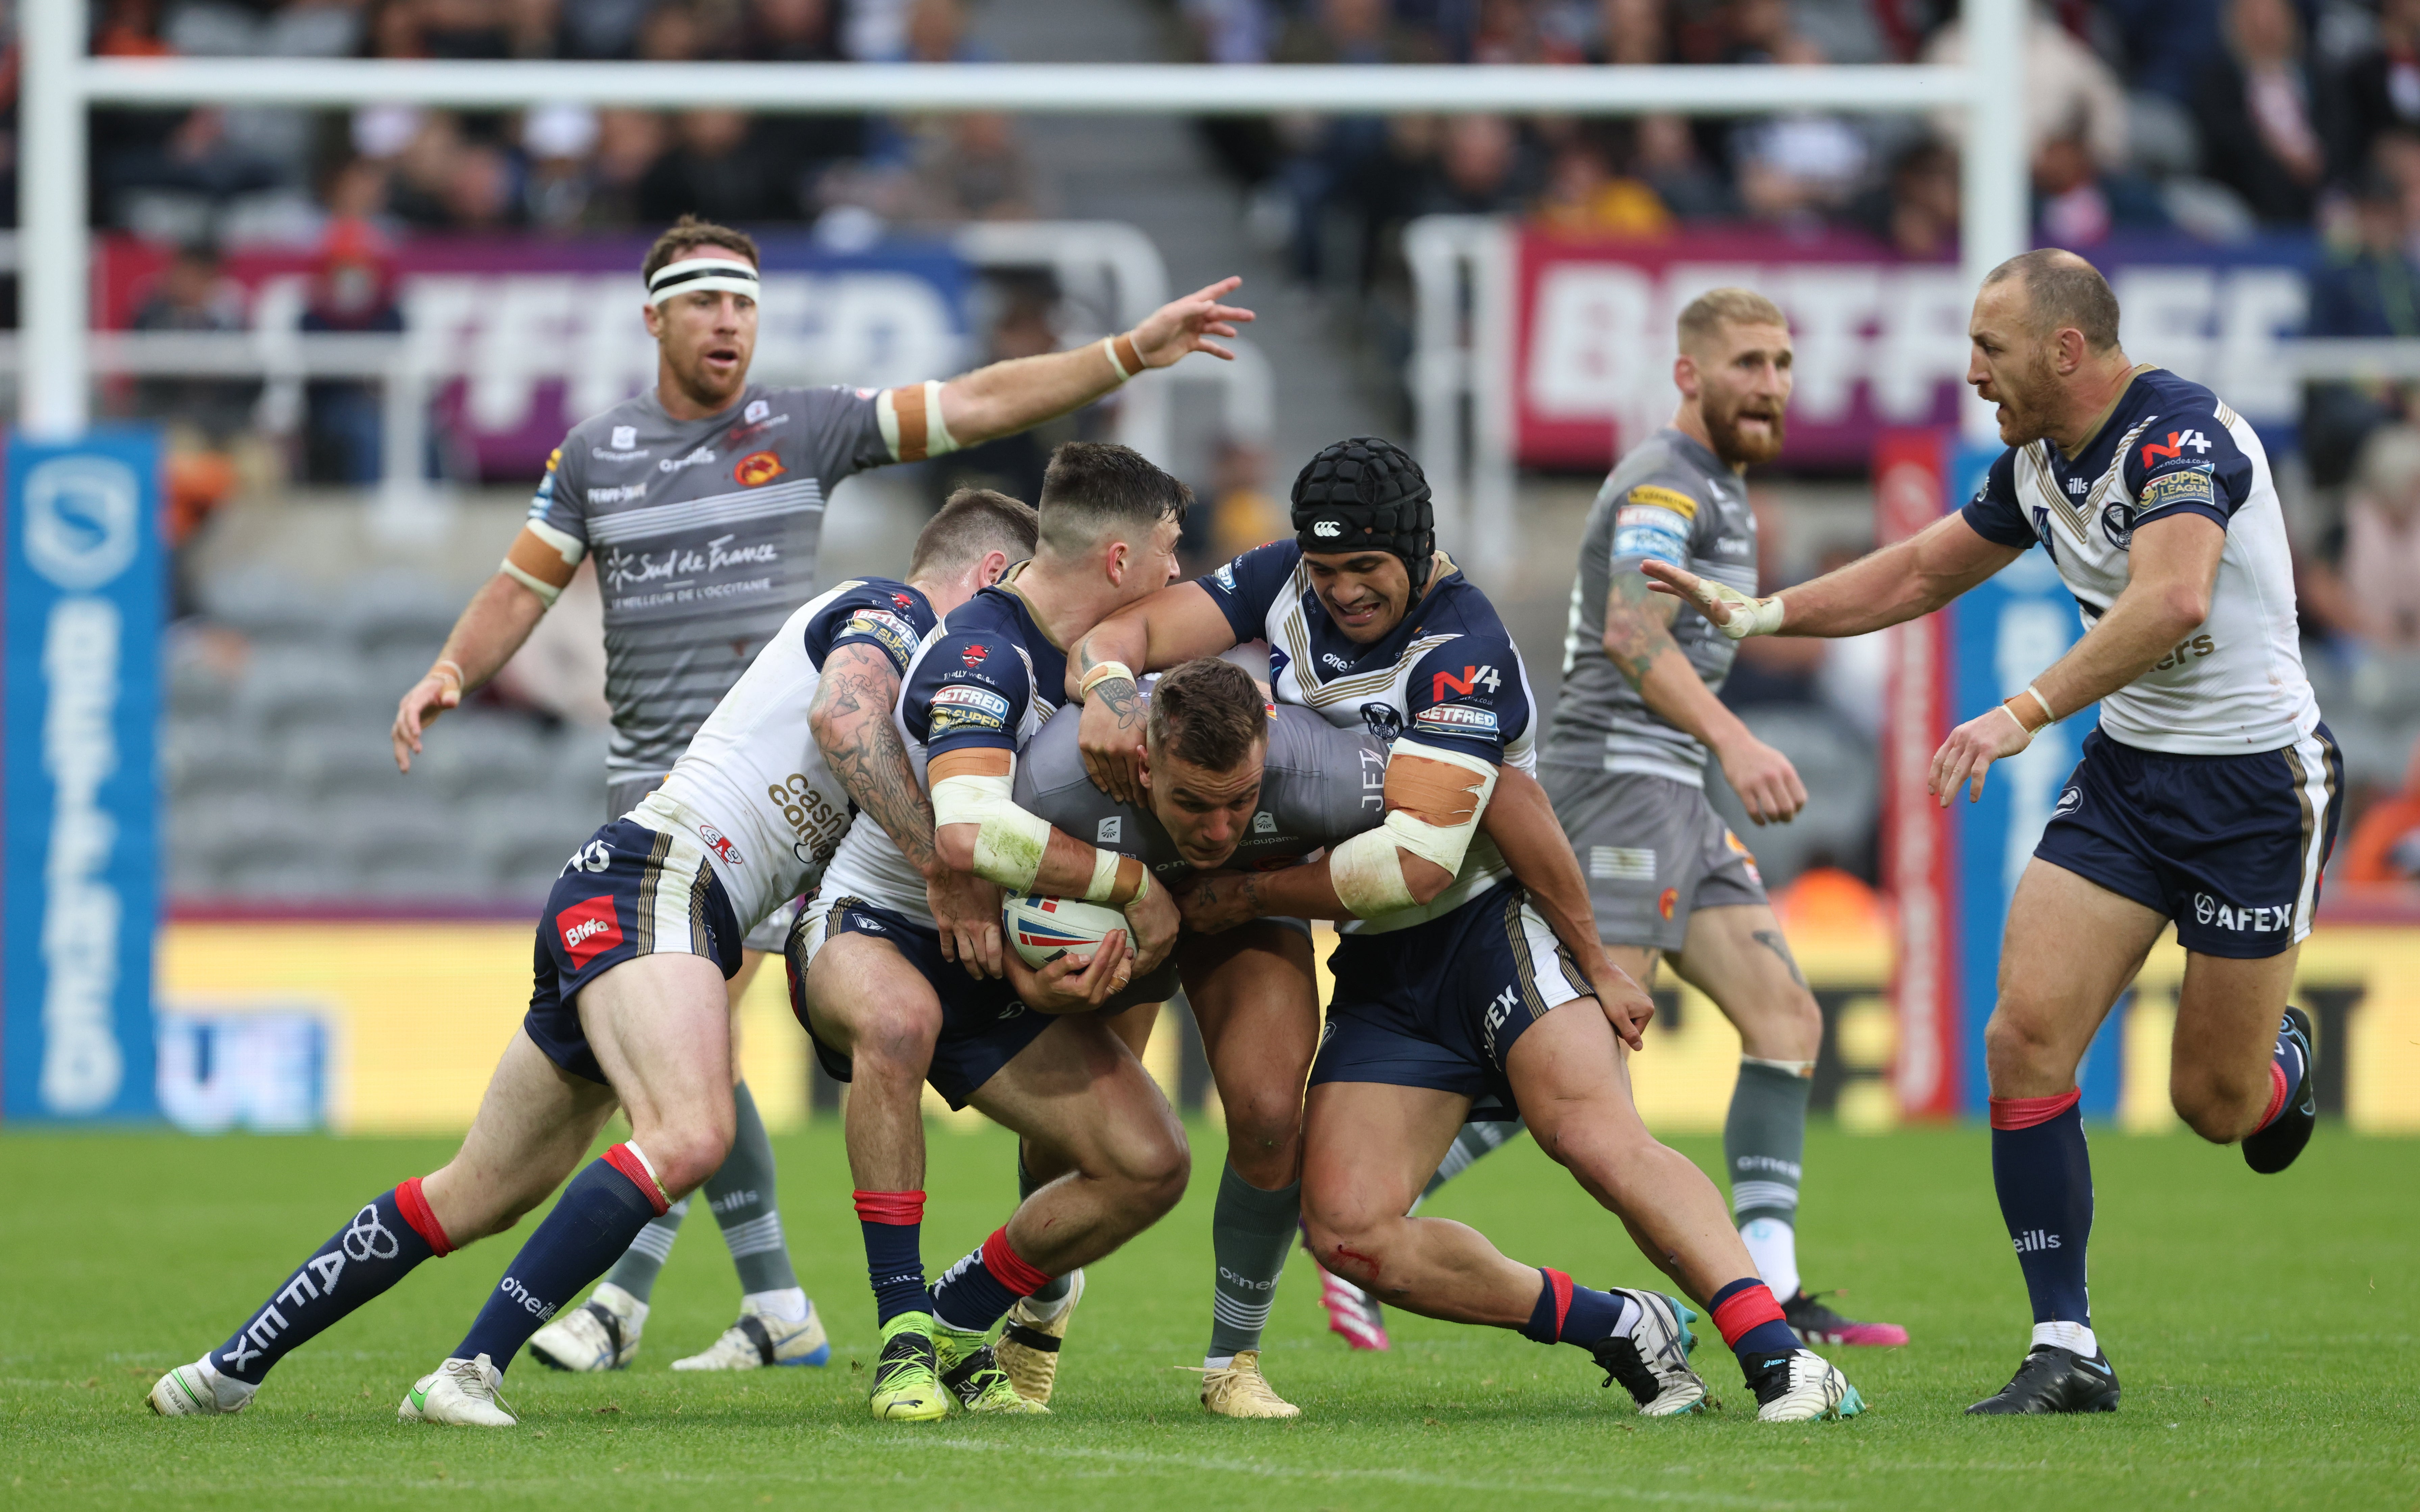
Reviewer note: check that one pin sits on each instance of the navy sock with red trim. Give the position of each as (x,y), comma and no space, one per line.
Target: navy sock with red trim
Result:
(600,1213)
(1570,1314)
(393,1232)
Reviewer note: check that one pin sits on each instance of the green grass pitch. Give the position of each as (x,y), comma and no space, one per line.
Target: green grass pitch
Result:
(2264,1330)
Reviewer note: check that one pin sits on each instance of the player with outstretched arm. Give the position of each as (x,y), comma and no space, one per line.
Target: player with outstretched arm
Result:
(702,503)
(2208,796)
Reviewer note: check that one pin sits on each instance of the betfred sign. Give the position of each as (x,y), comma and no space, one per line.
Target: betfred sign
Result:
(1879,344)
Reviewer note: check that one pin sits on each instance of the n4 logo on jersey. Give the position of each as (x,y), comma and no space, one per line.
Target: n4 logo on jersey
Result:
(1471,679)
(2179,442)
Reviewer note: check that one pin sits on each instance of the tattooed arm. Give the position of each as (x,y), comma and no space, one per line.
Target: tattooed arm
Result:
(851,720)
(1638,641)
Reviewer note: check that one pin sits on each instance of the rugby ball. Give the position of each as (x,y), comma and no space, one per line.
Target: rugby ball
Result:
(1043,929)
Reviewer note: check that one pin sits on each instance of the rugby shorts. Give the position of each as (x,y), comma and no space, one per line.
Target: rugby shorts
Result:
(770,931)
(1441,1004)
(1654,852)
(2231,847)
(630,891)
(984,1023)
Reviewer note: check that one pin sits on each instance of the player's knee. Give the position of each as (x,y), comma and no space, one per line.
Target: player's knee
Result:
(2018,1039)
(2213,1104)
(1156,1168)
(895,1039)
(1348,1239)
(687,1152)
(1262,1124)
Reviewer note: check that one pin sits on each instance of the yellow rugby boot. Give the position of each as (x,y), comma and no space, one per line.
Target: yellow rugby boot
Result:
(972,1373)
(1239,1390)
(906,1375)
(1028,1349)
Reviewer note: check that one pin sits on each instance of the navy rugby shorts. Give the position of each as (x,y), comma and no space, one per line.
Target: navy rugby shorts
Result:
(2231,847)
(630,891)
(1441,1004)
(984,1023)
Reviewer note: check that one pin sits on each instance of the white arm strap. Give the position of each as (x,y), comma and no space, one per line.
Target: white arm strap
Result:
(1367,863)
(1009,842)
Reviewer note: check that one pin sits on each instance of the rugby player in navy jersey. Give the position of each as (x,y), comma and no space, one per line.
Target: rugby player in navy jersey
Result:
(641,933)
(2208,796)
(872,975)
(1452,992)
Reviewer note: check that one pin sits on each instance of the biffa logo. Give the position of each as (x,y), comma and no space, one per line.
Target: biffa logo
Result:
(589,930)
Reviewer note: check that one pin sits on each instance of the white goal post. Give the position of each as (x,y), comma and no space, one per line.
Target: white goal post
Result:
(61,84)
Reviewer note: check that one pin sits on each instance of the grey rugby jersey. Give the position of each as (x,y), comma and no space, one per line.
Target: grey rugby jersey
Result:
(1675,501)
(703,533)
(1320,784)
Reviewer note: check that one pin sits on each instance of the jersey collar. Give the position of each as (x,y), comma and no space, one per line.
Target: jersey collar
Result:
(2101,424)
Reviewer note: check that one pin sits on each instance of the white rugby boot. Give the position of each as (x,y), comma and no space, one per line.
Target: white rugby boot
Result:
(1651,1361)
(759,1339)
(199,1390)
(460,1393)
(1803,1387)
(601,1334)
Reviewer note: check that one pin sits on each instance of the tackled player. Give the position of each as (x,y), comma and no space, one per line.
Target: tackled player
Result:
(1452,994)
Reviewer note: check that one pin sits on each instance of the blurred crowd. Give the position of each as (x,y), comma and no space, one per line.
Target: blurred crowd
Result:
(274,174)
(2217,117)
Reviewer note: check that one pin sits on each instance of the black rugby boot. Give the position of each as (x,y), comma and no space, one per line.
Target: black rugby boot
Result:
(2053,1379)
(2275,1148)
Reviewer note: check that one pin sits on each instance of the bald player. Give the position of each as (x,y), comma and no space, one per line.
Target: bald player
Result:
(2207,797)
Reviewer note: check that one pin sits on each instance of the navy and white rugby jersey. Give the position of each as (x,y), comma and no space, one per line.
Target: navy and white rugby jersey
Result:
(2235,684)
(1447,676)
(985,678)
(753,783)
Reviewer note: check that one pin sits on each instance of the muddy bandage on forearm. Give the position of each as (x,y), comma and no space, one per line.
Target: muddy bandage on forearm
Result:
(1009,842)
(911,421)
(543,559)
(1434,810)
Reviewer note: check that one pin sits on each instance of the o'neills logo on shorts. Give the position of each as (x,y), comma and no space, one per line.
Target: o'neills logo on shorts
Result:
(589,930)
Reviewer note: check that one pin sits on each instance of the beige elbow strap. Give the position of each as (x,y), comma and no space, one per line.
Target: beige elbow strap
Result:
(543,559)
(911,421)
(1368,877)
(1436,813)
(1009,842)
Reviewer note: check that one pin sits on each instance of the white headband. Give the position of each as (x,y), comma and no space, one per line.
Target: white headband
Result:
(693,273)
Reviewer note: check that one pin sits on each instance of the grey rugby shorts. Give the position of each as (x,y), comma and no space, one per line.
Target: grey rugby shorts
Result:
(1654,852)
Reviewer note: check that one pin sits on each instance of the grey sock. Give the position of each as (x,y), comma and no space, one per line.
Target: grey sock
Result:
(635,1272)
(745,1204)
(1475,1140)
(1764,1140)
(1054,1291)
(1250,1230)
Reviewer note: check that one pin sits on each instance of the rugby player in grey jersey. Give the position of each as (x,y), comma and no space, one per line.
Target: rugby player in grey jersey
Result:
(1222,787)
(701,501)
(1625,758)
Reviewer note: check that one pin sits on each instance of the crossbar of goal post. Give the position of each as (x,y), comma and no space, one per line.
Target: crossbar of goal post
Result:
(61,84)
